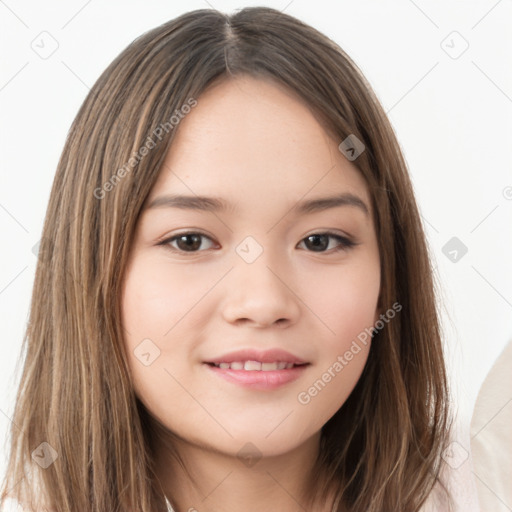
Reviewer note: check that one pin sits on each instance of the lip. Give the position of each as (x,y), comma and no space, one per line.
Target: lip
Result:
(260,380)
(266,356)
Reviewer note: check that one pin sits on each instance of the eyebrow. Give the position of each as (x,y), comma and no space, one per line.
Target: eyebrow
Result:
(215,204)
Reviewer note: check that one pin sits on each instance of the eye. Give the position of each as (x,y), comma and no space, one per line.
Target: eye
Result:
(320,242)
(186,242)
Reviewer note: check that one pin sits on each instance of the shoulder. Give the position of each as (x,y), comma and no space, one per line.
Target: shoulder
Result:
(460,485)
(436,501)
(11,505)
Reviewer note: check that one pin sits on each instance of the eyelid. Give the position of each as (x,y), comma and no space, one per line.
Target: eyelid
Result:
(347,242)
(191,231)
(165,241)
(331,232)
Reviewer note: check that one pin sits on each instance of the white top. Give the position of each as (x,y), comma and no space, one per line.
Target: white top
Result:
(169,507)
(461,484)
(11,505)
(464,503)
(491,436)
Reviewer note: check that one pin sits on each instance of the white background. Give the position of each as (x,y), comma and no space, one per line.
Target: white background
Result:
(452,116)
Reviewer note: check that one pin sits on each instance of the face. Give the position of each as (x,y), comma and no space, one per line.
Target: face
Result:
(255,270)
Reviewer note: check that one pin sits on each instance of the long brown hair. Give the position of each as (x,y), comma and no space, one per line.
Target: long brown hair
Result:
(382,450)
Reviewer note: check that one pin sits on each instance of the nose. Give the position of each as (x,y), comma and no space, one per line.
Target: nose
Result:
(260,294)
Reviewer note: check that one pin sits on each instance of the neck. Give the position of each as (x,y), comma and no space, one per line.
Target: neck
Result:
(198,478)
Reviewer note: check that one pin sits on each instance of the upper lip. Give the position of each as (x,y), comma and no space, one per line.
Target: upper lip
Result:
(267,356)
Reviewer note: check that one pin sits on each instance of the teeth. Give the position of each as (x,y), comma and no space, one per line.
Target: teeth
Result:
(252,365)
(255,366)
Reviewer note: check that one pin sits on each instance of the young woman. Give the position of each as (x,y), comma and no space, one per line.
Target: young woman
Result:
(234,306)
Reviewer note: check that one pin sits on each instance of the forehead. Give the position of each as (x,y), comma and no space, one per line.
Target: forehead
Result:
(250,139)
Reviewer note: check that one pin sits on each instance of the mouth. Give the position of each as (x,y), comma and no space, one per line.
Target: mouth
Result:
(252,366)
(257,375)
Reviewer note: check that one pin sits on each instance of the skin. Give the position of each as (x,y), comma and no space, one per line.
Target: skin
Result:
(254,144)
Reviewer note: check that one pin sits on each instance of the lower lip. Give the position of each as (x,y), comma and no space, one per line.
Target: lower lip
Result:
(257,379)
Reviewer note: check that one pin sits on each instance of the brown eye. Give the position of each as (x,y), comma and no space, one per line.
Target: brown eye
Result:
(185,242)
(192,242)
(319,242)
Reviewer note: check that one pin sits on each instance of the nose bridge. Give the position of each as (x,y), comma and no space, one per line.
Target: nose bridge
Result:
(259,260)
(259,287)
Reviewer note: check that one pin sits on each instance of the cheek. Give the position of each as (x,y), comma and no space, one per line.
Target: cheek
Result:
(161,304)
(156,297)
(347,312)
(344,300)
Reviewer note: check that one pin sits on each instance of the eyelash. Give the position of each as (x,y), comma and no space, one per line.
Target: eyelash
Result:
(345,243)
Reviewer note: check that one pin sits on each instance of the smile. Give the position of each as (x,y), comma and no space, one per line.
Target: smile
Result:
(256,375)
(256,366)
